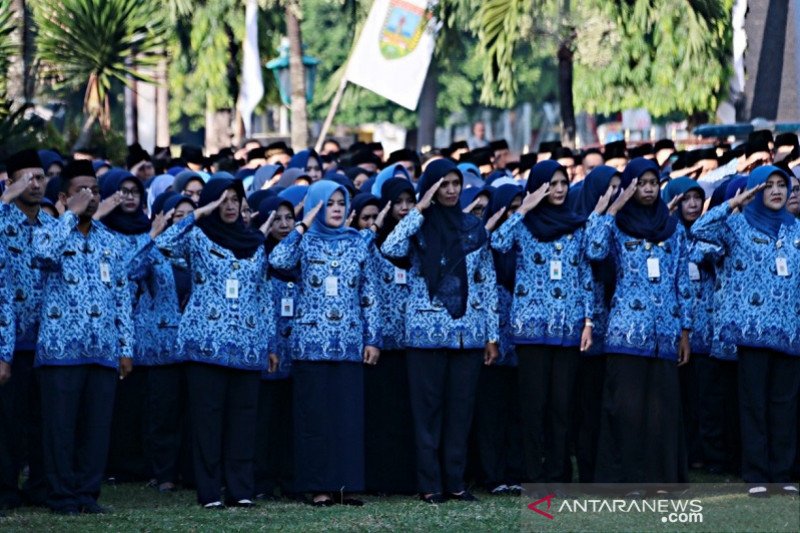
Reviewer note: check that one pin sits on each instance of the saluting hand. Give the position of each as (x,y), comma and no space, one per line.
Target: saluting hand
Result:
(603,201)
(107,206)
(299,208)
(207,209)
(311,215)
(379,220)
(427,199)
(533,198)
(267,226)
(494,219)
(16,188)
(623,198)
(673,204)
(371,355)
(744,197)
(160,223)
(77,203)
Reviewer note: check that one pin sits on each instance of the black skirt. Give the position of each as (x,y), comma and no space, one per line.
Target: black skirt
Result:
(390,463)
(328,426)
(641,427)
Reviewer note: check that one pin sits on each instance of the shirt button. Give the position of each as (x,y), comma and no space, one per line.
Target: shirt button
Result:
(335,264)
(235,266)
(778,244)
(290,285)
(647,246)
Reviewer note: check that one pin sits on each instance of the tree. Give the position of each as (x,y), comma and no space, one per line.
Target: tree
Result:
(655,53)
(93,42)
(297,75)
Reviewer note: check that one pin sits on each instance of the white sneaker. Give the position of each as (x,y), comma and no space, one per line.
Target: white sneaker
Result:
(214,505)
(758,492)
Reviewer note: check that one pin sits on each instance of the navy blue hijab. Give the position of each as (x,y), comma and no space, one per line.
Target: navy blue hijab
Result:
(390,192)
(548,222)
(442,244)
(681,186)
(117,220)
(758,215)
(360,201)
(265,209)
(649,222)
(588,192)
(505,264)
(243,242)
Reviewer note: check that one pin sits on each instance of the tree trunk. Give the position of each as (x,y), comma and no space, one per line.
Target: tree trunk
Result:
(86,132)
(565,56)
(297,76)
(131,113)
(426,111)
(18,80)
(218,128)
(162,105)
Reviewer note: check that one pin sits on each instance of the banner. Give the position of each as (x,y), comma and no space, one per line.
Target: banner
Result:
(394,50)
(252,88)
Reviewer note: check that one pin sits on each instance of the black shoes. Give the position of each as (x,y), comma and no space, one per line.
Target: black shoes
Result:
(464,496)
(93,508)
(432,499)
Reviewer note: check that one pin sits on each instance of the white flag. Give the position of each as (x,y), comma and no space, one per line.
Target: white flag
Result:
(251,89)
(394,50)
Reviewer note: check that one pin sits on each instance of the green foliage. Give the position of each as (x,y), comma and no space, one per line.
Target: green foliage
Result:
(7,45)
(98,41)
(661,55)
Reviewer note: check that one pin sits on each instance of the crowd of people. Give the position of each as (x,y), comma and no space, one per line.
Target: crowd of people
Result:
(261,323)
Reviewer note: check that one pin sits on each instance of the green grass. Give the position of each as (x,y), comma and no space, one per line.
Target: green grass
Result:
(137,508)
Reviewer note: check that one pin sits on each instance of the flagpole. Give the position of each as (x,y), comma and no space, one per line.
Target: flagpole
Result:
(337,98)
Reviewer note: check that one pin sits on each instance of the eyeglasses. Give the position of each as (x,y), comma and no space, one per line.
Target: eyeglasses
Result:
(133,193)
(796,189)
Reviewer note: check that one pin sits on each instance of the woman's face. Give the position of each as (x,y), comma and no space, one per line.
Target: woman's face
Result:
(515,203)
(692,206)
(793,203)
(283,223)
(359,180)
(367,217)
(247,213)
(614,186)
(559,186)
(313,169)
(404,203)
(334,210)
(193,189)
(131,196)
(182,211)
(647,188)
(230,208)
(481,202)
(776,193)
(449,191)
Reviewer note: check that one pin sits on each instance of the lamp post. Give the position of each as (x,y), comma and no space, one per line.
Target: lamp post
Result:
(281,69)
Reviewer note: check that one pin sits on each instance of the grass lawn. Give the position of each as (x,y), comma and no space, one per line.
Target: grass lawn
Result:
(137,508)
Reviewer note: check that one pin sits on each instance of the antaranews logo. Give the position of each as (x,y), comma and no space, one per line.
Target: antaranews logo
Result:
(673,511)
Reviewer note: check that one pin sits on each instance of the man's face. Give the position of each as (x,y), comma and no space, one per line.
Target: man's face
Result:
(76,185)
(33,193)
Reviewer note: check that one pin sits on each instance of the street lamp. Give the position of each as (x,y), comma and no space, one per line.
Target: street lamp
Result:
(280,69)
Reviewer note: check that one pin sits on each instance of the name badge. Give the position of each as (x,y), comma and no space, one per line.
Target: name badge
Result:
(232,289)
(331,286)
(400,276)
(555,270)
(781,267)
(653,268)
(287,307)
(105,272)
(694,272)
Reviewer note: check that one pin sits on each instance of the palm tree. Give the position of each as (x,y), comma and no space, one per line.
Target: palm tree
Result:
(297,76)
(93,42)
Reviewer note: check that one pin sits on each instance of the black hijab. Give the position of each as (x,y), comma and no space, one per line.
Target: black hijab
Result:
(117,220)
(548,222)
(390,192)
(240,240)
(265,209)
(650,222)
(446,237)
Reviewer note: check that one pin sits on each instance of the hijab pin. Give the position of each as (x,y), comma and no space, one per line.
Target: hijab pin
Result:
(647,246)
(779,244)
(558,246)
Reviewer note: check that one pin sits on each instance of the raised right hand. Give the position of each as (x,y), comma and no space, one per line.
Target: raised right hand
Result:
(744,197)
(427,199)
(77,203)
(623,198)
(207,209)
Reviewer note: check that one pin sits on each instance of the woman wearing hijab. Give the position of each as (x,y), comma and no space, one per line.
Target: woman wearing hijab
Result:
(475,200)
(223,339)
(390,172)
(161,302)
(761,243)
(551,314)
(451,325)
(583,198)
(263,179)
(160,184)
(641,432)
(686,197)
(122,211)
(309,162)
(190,184)
(336,331)
(274,450)
(498,428)
(364,211)
(388,410)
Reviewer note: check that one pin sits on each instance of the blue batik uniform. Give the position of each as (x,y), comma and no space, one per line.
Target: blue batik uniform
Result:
(228,319)
(285,297)
(7,322)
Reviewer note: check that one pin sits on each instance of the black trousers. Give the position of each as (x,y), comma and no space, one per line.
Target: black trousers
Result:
(165,414)
(591,373)
(547,377)
(768,388)
(127,459)
(443,385)
(498,428)
(641,431)
(21,435)
(718,413)
(691,399)
(274,451)
(77,402)
(223,406)
(389,431)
